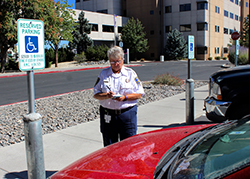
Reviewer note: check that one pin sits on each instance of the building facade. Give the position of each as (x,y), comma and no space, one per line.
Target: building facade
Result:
(210,21)
(106,28)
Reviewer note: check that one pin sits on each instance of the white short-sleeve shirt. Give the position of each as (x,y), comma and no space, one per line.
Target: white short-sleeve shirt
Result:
(126,82)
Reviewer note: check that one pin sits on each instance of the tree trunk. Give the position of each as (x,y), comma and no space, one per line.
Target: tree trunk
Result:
(56,51)
(3,59)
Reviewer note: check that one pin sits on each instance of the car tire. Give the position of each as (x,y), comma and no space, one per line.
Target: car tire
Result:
(214,117)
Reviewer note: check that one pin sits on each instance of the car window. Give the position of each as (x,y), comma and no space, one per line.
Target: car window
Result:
(218,155)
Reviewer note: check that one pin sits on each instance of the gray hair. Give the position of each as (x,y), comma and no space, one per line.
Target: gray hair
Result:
(115,52)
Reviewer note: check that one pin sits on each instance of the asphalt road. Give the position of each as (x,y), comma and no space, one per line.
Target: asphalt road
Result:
(15,89)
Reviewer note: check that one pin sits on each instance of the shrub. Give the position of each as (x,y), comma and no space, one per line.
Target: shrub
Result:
(168,79)
(224,58)
(64,55)
(218,58)
(12,65)
(210,58)
(242,57)
(97,53)
(80,58)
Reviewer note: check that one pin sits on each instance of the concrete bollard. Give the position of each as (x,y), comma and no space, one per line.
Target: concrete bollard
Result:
(34,146)
(162,58)
(189,101)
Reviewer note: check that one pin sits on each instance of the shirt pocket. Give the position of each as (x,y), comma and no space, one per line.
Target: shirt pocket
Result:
(105,87)
(126,88)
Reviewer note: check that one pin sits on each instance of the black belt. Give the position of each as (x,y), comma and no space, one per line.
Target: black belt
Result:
(117,111)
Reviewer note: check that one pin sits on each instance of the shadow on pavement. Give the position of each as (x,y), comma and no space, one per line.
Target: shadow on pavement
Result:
(24,175)
(197,121)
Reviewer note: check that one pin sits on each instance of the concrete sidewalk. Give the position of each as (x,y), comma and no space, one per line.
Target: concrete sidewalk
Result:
(66,146)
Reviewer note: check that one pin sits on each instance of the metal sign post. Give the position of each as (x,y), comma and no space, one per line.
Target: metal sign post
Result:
(190,84)
(31,57)
(115,17)
(235,36)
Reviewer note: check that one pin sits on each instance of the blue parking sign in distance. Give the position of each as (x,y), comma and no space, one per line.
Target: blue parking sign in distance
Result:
(31,44)
(190,47)
(237,47)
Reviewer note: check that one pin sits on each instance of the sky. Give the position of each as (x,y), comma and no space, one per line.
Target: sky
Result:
(70,2)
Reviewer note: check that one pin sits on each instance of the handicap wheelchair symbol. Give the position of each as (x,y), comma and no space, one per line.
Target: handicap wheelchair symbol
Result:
(191,47)
(31,44)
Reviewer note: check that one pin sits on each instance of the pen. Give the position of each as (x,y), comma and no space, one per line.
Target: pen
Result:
(108,87)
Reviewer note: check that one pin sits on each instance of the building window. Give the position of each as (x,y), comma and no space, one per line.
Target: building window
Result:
(232,0)
(168,9)
(202,5)
(202,26)
(225,50)
(105,11)
(216,50)
(246,4)
(77,0)
(94,27)
(201,50)
(225,30)
(119,29)
(231,15)
(185,28)
(225,13)
(107,28)
(185,7)
(217,9)
(231,31)
(237,2)
(217,28)
(151,12)
(236,17)
(168,29)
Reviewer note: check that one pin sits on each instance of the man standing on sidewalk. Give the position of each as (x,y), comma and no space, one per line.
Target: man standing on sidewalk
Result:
(117,88)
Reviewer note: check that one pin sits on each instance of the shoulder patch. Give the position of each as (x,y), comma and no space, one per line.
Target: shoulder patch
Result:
(97,81)
(137,80)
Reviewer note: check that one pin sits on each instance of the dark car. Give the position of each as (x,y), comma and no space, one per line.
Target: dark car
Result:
(198,151)
(229,94)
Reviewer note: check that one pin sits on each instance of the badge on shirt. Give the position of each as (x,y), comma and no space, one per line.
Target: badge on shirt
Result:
(107,118)
(137,80)
(97,81)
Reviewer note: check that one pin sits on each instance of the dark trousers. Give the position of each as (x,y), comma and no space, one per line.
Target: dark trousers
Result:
(121,125)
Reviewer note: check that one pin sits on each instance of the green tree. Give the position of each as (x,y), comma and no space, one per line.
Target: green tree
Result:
(176,46)
(11,11)
(8,29)
(244,40)
(133,36)
(81,40)
(61,25)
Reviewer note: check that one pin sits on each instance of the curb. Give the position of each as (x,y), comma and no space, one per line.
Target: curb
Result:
(61,71)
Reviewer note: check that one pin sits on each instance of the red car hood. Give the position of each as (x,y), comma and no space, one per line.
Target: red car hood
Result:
(135,157)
